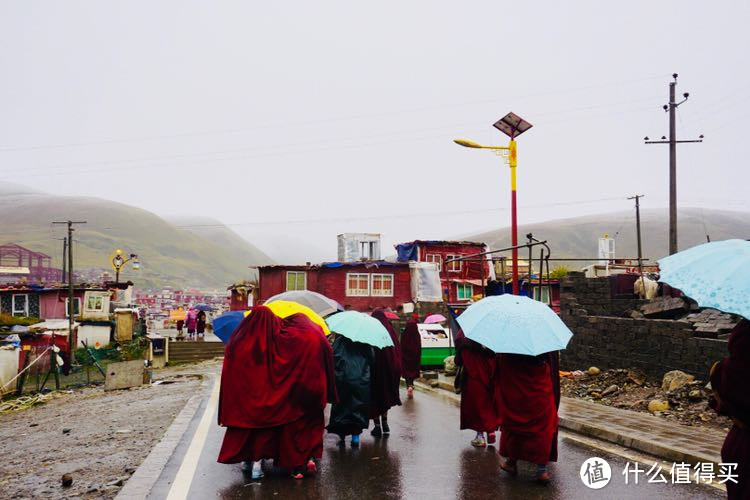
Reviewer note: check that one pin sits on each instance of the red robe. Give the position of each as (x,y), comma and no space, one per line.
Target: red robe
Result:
(386,372)
(478,405)
(411,351)
(527,408)
(276,380)
(730,378)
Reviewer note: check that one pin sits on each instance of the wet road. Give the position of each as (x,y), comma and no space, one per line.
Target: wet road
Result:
(426,456)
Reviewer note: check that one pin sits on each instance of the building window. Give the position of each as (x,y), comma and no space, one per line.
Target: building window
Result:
(76,306)
(357,285)
(453,267)
(296,280)
(464,292)
(20,305)
(382,285)
(541,294)
(95,303)
(436,258)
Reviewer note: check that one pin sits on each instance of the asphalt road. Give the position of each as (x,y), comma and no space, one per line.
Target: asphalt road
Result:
(426,456)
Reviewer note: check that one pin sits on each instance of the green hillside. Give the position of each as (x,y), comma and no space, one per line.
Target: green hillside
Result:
(578,237)
(168,255)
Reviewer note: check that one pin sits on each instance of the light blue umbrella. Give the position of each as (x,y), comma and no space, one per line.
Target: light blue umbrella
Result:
(715,274)
(360,327)
(514,324)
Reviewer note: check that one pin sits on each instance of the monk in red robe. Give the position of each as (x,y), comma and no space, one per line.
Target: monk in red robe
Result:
(477,383)
(277,378)
(528,398)
(385,379)
(411,354)
(730,378)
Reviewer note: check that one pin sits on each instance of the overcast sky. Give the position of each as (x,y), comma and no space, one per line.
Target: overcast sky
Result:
(342,114)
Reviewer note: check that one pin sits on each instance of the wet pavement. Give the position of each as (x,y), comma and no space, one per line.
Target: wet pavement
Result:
(426,456)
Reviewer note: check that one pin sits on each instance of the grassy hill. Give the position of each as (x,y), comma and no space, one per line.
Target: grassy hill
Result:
(578,237)
(169,255)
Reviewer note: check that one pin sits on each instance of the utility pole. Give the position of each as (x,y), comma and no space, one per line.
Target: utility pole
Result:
(638,230)
(672,141)
(71,309)
(64,257)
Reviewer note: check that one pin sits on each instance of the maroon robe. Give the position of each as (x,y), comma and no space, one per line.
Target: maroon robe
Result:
(411,351)
(385,377)
(730,378)
(478,406)
(276,380)
(527,408)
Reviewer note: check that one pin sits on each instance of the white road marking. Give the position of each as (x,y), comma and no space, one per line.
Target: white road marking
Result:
(186,472)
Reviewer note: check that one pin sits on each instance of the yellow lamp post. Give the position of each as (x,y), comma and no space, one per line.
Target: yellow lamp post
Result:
(511,125)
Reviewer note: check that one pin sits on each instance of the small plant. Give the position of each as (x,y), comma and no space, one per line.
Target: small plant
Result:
(135,349)
(8,320)
(559,272)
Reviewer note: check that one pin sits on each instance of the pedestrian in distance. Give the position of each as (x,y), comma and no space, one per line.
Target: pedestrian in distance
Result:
(277,378)
(731,397)
(200,325)
(527,402)
(476,379)
(411,354)
(180,326)
(385,379)
(191,323)
(353,362)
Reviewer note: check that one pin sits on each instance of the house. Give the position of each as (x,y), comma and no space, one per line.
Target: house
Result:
(362,286)
(242,296)
(547,291)
(460,280)
(34,267)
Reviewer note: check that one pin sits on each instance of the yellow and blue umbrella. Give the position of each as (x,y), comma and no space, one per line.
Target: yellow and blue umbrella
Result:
(715,275)
(514,324)
(285,308)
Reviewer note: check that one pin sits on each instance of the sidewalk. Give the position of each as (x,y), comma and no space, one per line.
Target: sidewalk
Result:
(670,441)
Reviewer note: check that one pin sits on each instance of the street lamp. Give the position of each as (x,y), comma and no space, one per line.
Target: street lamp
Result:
(118,261)
(511,125)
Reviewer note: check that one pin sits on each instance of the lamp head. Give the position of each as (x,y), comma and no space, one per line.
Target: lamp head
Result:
(467,143)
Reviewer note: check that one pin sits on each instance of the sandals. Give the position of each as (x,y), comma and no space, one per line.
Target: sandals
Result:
(509,467)
(478,442)
(410,392)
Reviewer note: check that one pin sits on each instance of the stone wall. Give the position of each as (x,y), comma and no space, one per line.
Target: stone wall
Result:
(596,296)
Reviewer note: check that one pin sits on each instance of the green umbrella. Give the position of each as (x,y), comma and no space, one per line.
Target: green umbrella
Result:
(360,327)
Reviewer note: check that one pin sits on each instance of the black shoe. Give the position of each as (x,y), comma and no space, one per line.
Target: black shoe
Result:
(386,429)
(376,431)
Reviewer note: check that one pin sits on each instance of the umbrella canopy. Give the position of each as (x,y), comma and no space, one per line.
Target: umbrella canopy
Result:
(360,327)
(315,301)
(391,315)
(514,324)
(225,324)
(284,308)
(715,275)
(434,318)
(203,307)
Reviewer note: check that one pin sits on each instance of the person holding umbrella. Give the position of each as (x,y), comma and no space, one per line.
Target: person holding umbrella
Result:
(385,379)
(355,336)
(411,354)
(527,334)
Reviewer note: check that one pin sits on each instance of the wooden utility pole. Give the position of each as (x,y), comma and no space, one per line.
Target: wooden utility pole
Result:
(638,230)
(71,308)
(672,141)
(64,257)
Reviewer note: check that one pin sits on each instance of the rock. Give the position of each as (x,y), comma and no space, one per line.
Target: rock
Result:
(596,395)
(434,383)
(636,377)
(593,371)
(636,315)
(117,482)
(657,405)
(66,430)
(449,364)
(695,395)
(33,425)
(675,379)
(129,470)
(610,390)
(67,480)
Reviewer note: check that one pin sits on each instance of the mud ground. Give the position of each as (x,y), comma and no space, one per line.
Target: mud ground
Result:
(97,437)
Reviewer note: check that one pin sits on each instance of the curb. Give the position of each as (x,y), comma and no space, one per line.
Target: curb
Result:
(601,432)
(144,478)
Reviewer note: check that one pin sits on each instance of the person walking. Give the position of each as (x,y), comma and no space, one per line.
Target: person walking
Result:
(353,361)
(180,326)
(200,325)
(191,323)
(385,379)
(729,379)
(277,378)
(411,354)
(528,399)
(477,383)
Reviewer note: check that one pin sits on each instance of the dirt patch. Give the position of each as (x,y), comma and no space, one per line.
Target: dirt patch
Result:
(98,438)
(632,390)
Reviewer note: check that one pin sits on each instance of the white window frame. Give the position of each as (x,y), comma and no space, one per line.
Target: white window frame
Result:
(19,312)
(296,274)
(357,292)
(380,293)
(464,286)
(75,299)
(449,265)
(95,298)
(542,294)
(435,258)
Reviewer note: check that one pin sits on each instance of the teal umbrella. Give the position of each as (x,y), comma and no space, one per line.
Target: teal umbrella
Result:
(360,327)
(715,275)
(514,324)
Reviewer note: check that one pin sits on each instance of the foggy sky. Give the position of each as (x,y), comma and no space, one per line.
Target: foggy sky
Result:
(294,122)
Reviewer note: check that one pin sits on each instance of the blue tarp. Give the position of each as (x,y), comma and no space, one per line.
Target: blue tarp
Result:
(406,252)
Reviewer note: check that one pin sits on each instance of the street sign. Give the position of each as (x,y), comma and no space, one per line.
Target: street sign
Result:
(512,125)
